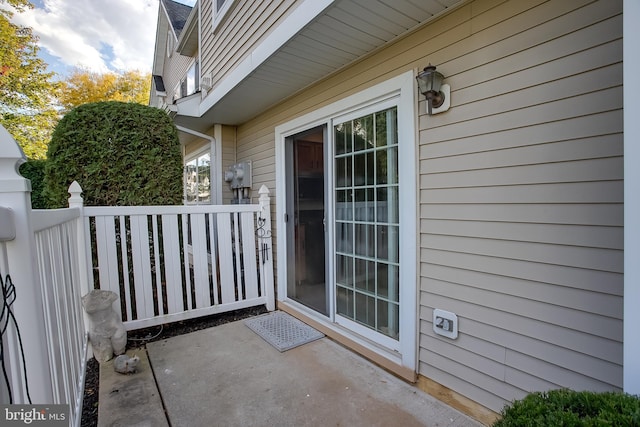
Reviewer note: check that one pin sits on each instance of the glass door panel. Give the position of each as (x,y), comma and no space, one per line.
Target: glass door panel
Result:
(197,173)
(367,263)
(306,276)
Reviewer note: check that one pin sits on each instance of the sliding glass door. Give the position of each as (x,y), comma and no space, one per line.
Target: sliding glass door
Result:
(306,223)
(351,252)
(366,194)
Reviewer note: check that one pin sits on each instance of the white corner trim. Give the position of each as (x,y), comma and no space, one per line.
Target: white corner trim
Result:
(631,358)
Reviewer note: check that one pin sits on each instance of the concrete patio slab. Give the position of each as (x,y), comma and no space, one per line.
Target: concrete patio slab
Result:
(130,400)
(229,376)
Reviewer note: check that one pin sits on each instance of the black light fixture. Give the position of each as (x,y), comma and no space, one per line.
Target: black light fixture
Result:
(429,83)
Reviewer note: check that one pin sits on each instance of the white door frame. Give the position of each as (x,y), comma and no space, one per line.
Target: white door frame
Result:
(401,89)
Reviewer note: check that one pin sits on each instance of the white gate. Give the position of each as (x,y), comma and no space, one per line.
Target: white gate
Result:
(171,263)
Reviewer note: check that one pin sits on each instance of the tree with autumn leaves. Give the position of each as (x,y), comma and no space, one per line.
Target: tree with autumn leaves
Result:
(31,99)
(27,90)
(83,86)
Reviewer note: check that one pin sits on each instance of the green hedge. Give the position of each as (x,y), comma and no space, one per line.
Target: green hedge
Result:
(120,154)
(572,408)
(33,170)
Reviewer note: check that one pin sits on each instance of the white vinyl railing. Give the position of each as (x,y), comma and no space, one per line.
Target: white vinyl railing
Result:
(43,350)
(171,263)
(63,281)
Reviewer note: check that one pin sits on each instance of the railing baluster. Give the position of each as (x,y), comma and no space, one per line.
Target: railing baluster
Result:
(157,267)
(250,267)
(187,304)
(199,256)
(238,256)
(227,279)
(173,270)
(124,263)
(213,259)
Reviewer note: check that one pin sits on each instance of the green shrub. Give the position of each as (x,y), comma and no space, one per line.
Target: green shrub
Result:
(120,154)
(33,170)
(572,408)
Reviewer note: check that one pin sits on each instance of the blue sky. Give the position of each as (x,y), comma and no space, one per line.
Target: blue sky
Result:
(101,35)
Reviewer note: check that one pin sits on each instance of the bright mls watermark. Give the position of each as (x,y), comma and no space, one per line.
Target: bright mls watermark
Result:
(36,415)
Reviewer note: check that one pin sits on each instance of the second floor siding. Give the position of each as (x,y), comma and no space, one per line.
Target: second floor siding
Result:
(169,61)
(175,70)
(246,24)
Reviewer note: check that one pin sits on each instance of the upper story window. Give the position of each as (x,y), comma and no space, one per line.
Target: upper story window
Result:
(192,78)
(170,44)
(221,9)
(189,84)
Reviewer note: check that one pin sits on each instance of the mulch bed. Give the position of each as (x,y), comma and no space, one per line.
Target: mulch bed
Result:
(140,337)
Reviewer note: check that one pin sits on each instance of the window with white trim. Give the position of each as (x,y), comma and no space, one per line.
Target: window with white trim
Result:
(170,43)
(197,178)
(221,9)
(189,84)
(192,78)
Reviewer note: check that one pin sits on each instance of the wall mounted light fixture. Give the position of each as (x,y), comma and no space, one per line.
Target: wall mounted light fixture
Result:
(437,94)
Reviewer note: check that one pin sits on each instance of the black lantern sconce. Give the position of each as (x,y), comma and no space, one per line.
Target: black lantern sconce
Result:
(437,94)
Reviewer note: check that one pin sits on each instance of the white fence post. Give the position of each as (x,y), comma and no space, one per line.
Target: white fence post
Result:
(264,235)
(76,201)
(19,261)
(84,250)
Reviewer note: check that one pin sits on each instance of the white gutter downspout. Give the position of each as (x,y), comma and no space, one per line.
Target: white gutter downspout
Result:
(199,44)
(217,190)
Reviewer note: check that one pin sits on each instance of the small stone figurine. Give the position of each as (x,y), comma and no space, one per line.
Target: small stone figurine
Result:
(125,364)
(107,334)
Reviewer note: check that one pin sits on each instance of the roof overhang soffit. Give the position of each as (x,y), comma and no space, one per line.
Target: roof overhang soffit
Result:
(283,64)
(161,42)
(188,41)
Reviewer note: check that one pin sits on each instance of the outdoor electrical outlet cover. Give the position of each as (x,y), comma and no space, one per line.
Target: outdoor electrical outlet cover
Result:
(445,323)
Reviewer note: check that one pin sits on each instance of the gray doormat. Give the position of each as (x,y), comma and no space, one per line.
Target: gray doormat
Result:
(282,330)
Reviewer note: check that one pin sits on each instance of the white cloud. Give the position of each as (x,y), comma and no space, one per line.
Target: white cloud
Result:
(96,34)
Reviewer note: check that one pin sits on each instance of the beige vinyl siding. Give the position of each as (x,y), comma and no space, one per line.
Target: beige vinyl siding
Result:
(520,191)
(228,158)
(521,204)
(245,27)
(259,147)
(195,146)
(175,68)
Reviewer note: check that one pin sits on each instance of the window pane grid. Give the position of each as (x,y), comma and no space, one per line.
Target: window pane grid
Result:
(367,221)
(370,294)
(197,181)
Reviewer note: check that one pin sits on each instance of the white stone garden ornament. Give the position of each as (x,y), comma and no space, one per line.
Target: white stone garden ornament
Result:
(107,335)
